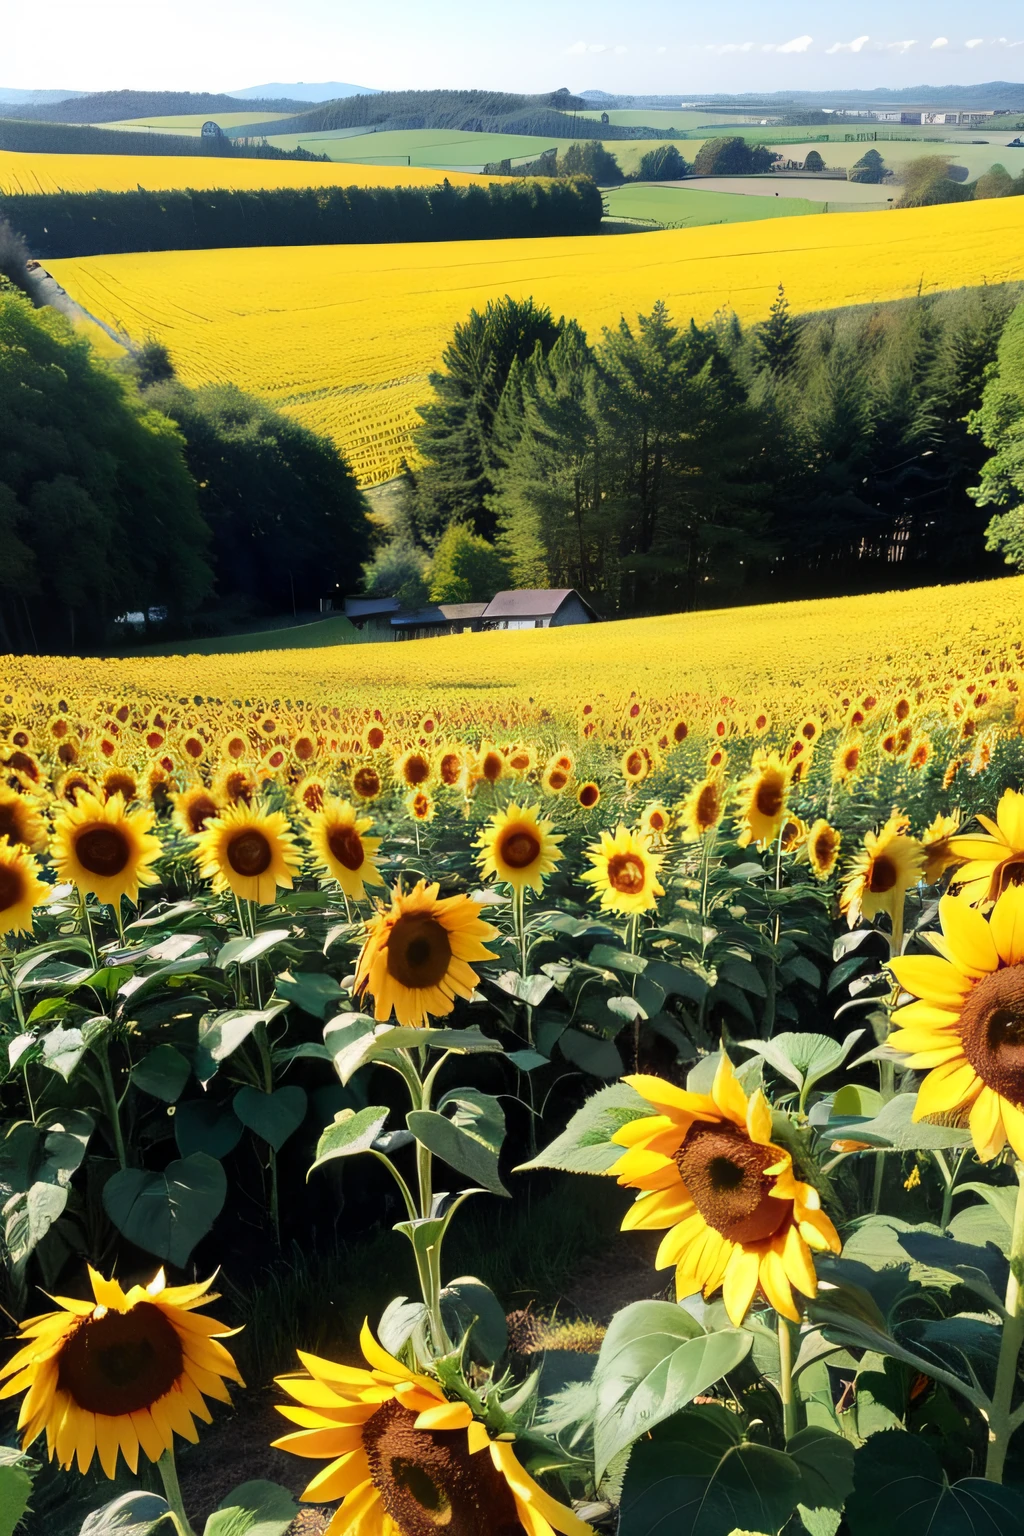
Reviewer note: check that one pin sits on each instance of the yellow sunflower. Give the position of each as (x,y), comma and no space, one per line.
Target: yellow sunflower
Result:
(995,857)
(121,1373)
(761,799)
(518,848)
(707,1169)
(337,836)
(20,821)
(451,768)
(793,834)
(555,777)
(634,765)
(624,872)
(823,848)
(366,783)
(413,769)
(120,781)
(415,960)
(938,854)
(882,873)
(419,805)
(703,807)
(248,851)
(846,764)
(405,1458)
(234,784)
(656,822)
(69,786)
(193,808)
(966,1024)
(490,764)
(20,887)
(103,849)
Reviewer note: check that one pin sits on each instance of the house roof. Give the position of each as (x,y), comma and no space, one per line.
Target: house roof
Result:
(370,607)
(536,603)
(463,610)
(420,618)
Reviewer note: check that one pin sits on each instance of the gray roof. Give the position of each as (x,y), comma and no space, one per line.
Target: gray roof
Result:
(370,607)
(538,603)
(463,610)
(420,618)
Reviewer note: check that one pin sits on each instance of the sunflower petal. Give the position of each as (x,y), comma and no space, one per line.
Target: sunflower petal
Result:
(972,948)
(740,1284)
(986,1120)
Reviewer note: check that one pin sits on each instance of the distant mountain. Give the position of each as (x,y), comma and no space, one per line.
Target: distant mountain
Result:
(18,98)
(123,106)
(331,90)
(989,96)
(599,96)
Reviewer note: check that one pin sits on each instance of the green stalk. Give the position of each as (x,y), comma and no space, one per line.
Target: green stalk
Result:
(1000,1426)
(87,920)
(786,1390)
(172,1492)
(263,1046)
(8,981)
(109,1093)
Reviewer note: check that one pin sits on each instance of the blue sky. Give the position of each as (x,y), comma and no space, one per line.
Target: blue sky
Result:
(643,46)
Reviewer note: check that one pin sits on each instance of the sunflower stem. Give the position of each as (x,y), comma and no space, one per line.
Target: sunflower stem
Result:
(786,1390)
(87,921)
(8,981)
(110,1095)
(172,1492)
(1000,1425)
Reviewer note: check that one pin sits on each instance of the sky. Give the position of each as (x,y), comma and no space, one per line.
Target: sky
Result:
(645,47)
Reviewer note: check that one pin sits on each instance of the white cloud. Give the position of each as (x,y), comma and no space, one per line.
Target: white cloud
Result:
(795,45)
(941,42)
(854,47)
(904,47)
(577,48)
(730,47)
(974,42)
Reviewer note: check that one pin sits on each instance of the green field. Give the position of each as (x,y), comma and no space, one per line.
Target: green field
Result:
(443,148)
(189,124)
(682,206)
(899,152)
(680,121)
(336,630)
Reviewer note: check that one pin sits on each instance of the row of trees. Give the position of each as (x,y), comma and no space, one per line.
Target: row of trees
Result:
(73,139)
(663,466)
(98,223)
(125,491)
(715,157)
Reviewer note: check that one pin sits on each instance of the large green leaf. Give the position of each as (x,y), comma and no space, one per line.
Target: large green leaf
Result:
(350,1132)
(132,1514)
(476,1310)
(586,1146)
(167,1213)
(894,1127)
(599,1057)
(15,1490)
(273,1116)
(478,1114)
(163,1073)
(243,951)
(900,1487)
(313,991)
(200,1125)
(825,1461)
(37,1164)
(804,1058)
(354,1040)
(461,1149)
(254,1509)
(655,1358)
(695,1477)
(221,1033)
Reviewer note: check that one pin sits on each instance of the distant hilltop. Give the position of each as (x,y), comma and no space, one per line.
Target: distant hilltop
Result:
(329,90)
(18,98)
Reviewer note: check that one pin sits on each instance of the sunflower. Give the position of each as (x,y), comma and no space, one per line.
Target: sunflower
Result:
(413,769)
(103,849)
(415,958)
(234,784)
(193,808)
(451,768)
(490,764)
(518,848)
(311,794)
(846,763)
(882,873)
(588,795)
(25,767)
(68,787)
(248,851)
(656,822)
(20,822)
(793,834)
(234,746)
(761,799)
(703,807)
(405,1458)
(123,1372)
(624,872)
(635,765)
(419,805)
(995,857)
(935,840)
(555,777)
(375,738)
(366,783)
(707,1169)
(822,848)
(966,1025)
(337,837)
(120,781)
(20,887)
(522,760)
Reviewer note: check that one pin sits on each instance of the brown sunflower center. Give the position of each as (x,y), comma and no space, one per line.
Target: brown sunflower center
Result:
(249,853)
(12,887)
(724,1173)
(419,950)
(103,851)
(11,822)
(417,770)
(882,875)
(707,807)
(429,1482)
(199,811)
(450,768)
(557,779)
(347,846)
(992,1030)
(492,766)
(119,784)
(824,847)
(519,847)
(626,873)
(589,796)
(768,797)
(122,1362)
(366,783)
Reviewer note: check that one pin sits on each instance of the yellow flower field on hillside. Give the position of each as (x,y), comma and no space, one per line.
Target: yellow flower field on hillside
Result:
(168,173)
(345,336)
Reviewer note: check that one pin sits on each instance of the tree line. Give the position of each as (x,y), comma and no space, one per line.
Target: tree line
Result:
(74,139)
(665,162)
(98,223)
(123,491)
(664,466)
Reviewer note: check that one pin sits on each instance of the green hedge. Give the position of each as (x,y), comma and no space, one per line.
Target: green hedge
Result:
(77,139)
(101,223)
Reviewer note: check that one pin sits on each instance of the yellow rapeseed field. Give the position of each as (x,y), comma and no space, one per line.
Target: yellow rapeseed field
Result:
(345,336)
(167,173)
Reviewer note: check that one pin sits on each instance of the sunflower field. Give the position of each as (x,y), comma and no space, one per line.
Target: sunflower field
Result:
(283,957)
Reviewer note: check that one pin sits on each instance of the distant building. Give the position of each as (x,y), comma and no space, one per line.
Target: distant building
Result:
(438,619)
(540,609)
(372,615)
(211,130)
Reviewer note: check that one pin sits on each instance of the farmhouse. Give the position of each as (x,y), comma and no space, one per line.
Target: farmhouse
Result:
(538,609)
(438,619)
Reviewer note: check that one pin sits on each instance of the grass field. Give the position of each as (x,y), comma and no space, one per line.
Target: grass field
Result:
(345,336)
(842,196)
(317,635)
(190,124)
(898,152)
(681,121)
(440,147)
(677,206)
(165,173)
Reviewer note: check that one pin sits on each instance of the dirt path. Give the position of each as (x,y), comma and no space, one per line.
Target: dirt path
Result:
(46,291)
